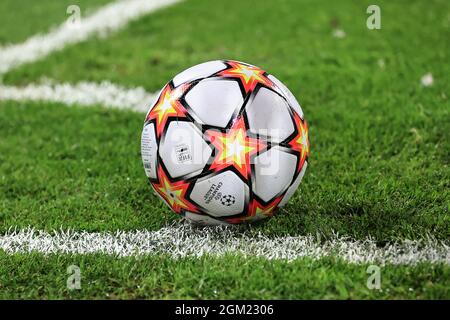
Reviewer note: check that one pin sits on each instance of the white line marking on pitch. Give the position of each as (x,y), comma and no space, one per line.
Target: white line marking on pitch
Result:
(108,18)
(183,240)
(84,93)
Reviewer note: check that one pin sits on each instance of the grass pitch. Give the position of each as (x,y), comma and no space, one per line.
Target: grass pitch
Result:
(379,164)
(159,277)
(23,19)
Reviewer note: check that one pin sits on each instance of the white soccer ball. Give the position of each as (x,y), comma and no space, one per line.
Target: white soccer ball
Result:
(225,143)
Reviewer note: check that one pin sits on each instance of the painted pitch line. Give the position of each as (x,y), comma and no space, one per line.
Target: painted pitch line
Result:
(106,94)
(105,20)
(183,240)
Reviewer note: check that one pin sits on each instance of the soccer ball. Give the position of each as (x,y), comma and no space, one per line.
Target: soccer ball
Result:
(225,143)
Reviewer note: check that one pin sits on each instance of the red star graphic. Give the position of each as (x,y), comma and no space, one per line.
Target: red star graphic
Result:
(257,211)
(234,148)
(300,142)
(168,105)
(174,193)
(250,76)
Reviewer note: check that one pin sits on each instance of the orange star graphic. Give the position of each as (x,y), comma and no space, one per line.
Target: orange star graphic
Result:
(174,193)
(257,211)
(300,143)
(168,105)
(250,76)
(234,148)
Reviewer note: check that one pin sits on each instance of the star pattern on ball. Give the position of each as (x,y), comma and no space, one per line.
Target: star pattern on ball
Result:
(257,211)
(173,192)
(168,105)
(228,200)
(234,148)
(300,142)
(249,76)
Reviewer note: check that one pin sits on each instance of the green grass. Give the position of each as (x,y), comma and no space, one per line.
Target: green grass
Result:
(22,19)
(74,167)
(158,277)
(380,151)
(379,140)
(292,39)
(80,168)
